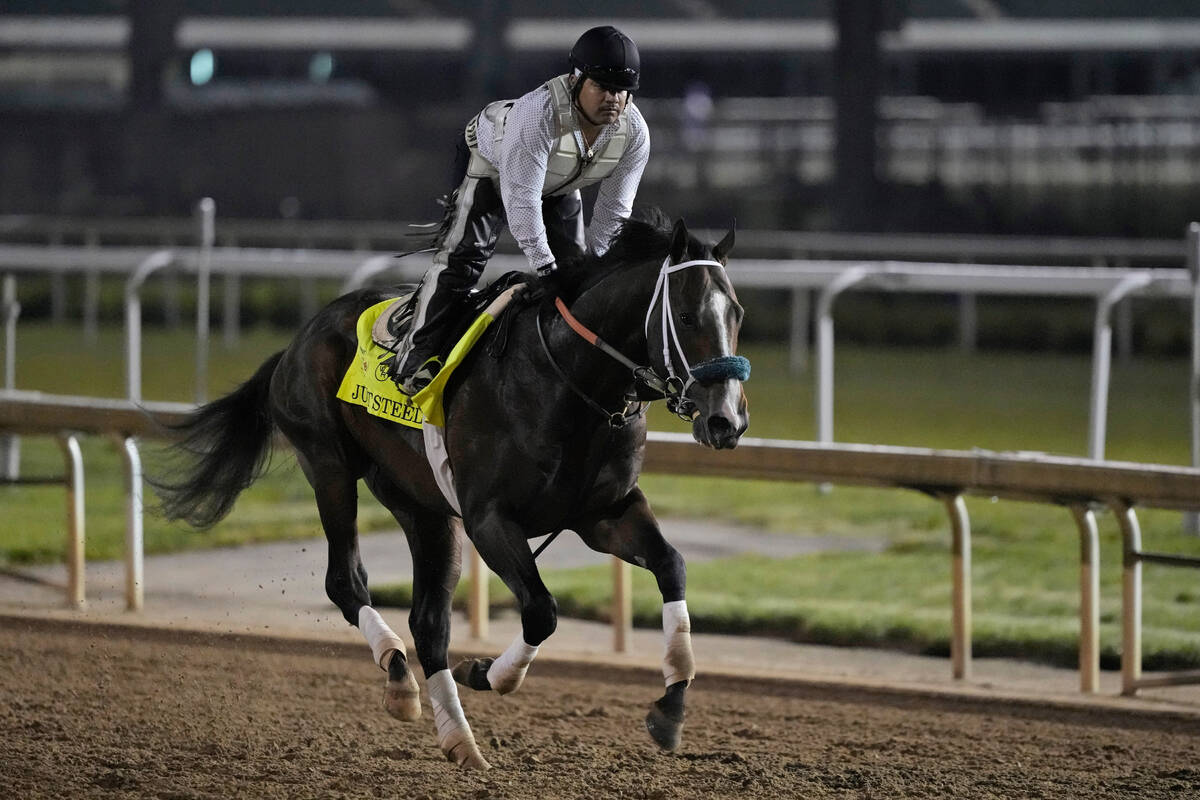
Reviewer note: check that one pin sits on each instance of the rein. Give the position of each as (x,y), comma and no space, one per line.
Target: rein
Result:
(616,419)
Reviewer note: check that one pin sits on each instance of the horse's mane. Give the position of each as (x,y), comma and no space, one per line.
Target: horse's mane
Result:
(644,236)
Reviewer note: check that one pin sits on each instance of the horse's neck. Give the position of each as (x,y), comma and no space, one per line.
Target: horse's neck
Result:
(615,310)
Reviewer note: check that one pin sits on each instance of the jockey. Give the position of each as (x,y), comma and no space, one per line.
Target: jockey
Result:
(523,162)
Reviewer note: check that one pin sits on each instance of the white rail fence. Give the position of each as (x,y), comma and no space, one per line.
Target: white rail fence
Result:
(367,236)
(1080,485)
(826,280)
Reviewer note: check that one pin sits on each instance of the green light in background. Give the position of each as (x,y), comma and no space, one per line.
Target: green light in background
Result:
(320,69)
(203,65)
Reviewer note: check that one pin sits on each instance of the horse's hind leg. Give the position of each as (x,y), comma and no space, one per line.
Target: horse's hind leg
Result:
(346,585)
(632,534)
(433,541)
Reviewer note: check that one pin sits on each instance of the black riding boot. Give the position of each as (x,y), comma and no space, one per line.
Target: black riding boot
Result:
(424,357)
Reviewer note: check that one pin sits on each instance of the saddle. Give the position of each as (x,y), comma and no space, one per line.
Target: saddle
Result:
(392,325)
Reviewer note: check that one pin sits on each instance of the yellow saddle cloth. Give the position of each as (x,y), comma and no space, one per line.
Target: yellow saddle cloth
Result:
(367,383)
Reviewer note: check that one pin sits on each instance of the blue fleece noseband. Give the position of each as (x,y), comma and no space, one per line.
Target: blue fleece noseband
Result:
(722,368)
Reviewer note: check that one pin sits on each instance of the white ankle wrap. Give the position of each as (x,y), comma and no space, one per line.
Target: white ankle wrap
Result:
(379,636)
(508,670)
(447,710)
(678,662)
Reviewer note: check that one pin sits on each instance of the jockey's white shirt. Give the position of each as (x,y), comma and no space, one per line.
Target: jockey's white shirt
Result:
(530,131)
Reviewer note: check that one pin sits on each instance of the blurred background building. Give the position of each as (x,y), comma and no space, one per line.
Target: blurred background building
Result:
(1068,117)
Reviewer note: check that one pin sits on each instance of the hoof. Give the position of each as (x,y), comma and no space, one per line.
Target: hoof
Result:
(665,720)
(463,751)
(472,673)
(665,732)
(401,695)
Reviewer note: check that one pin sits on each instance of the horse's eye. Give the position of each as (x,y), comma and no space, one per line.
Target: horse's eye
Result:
(687,319)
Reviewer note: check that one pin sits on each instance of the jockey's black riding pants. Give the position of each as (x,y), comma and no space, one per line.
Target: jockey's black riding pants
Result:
(475,221)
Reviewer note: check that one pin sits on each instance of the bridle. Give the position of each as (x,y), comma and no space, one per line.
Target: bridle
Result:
(712,369)
(673,388)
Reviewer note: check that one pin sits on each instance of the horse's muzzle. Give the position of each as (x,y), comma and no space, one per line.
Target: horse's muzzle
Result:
(725,421)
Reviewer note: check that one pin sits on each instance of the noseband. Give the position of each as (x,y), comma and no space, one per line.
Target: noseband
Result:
(673,387)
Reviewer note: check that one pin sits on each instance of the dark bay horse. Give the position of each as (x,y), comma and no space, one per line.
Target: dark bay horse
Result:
(547,436)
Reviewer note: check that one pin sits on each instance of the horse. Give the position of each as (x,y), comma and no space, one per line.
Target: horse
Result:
(546,433)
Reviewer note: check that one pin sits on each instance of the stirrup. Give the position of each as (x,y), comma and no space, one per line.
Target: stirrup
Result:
(422,377)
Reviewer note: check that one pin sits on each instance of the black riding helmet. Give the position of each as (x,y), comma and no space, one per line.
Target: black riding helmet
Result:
(608,57)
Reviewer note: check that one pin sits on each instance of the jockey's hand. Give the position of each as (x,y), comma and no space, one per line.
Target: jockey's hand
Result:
(544,284)
(532,291)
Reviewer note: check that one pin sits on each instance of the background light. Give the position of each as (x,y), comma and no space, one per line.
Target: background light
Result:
(320,69)
(203,65)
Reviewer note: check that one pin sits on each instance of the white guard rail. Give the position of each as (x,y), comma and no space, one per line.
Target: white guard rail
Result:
(1077,484)
(828,279)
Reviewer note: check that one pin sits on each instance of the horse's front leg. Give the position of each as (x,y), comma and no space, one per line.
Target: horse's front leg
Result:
(505,549)
(630,532)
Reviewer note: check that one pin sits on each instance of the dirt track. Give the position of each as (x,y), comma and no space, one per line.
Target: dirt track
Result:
(97,712)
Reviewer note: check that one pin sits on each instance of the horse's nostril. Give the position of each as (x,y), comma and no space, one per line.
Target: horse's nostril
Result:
(719,426)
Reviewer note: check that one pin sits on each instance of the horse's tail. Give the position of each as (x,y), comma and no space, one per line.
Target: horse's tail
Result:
(226,444)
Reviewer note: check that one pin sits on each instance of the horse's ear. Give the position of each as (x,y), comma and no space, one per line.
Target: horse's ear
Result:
(721,249)
(679,241)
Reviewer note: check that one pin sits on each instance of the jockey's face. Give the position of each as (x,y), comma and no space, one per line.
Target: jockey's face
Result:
(601,105)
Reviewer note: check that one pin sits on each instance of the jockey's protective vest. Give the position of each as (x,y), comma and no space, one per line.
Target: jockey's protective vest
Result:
(570,165)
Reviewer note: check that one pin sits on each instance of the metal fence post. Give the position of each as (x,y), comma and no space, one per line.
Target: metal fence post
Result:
(134,523)
(968,322)
(960,614)
(1191,520)
(207,214)
(1131,598)
(91,294)
(133,320)
(1089,599)
(10,309)
(1102,359)
(73,457)
(801,322)
(825,299)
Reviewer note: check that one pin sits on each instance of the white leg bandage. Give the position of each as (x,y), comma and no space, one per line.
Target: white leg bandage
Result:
(382,639)
(678,663)
(452,728)
(508,670)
